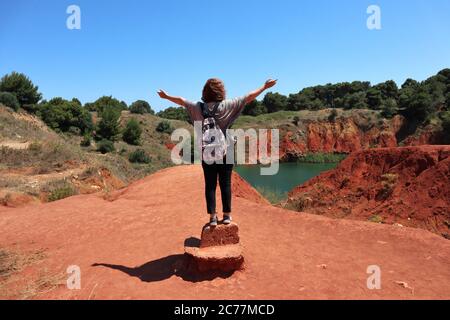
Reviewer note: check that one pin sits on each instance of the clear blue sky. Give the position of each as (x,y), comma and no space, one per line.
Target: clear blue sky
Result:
(129,49)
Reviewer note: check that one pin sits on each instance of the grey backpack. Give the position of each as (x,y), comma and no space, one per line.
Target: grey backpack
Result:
(214,142)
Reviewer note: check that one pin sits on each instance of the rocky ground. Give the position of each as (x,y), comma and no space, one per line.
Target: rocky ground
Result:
(128,246)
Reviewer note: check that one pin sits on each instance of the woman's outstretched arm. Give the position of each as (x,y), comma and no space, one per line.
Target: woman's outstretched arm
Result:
(254,94)
(177,100)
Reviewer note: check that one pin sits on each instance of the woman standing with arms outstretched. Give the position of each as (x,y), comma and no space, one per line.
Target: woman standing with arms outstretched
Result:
(225,113)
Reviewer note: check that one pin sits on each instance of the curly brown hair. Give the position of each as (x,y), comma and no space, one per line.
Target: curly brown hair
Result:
(214,91)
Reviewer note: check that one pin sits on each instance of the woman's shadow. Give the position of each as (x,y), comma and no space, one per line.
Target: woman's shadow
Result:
(174,265)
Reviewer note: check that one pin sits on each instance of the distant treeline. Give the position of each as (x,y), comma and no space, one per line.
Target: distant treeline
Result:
(417,101)
(412,99)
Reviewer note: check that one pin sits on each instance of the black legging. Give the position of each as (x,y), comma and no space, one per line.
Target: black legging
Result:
(211,171)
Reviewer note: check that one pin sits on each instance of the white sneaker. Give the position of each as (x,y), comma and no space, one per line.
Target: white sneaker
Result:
(226,219)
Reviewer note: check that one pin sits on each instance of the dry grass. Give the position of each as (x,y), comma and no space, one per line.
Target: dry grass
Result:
(388,183)
(13,262)
(12,286)
(300,203)
(44,157)
(44,283)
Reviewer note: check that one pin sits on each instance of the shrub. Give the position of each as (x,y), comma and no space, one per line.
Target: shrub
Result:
(106,102)
(61,193)
(35,147)
(86,142)
(376,219)
(296,120)
(164,127)
(173,113)
(8,99)
(108,127)
(388,183)
(66,116)
(105,146)
(390,178)
(333,115)
(74,130)
(22,87)
(141,107)
(139,156)
(132,132)
(322,157)
(303,202)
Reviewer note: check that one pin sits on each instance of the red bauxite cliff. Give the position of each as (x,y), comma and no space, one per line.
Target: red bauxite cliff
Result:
(409,186)
(342,135)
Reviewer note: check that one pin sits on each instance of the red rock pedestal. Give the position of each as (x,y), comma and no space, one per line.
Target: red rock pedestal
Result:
(218,250)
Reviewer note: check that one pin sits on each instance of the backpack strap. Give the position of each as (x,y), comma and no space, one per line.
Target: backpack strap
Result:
(206,113)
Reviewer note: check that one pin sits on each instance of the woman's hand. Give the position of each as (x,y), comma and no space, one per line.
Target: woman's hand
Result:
(177,100)
(162,94)
(270,83)
(254,94)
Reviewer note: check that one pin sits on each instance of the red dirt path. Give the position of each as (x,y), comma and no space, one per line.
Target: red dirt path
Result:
(288,255)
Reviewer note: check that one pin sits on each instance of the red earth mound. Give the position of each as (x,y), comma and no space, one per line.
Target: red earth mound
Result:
(131,246)
(409,186)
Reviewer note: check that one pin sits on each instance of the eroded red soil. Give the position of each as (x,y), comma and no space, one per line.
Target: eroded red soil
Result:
(129,247)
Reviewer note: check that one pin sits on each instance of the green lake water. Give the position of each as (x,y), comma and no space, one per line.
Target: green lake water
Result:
(290,175)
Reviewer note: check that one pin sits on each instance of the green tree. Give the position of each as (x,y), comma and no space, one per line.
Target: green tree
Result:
(9,100)
(420,106)
(360,86)
(355,100)
(108,127)
(254,108)
(406,92)
(389,108)
(410,83)
(132,132)
(76,101)
(374,98)
(64,116)
(106,102)
(20,85)
(141,107)
(164,127)
(275,102)
(174,113)
(388,89)
(297,102)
